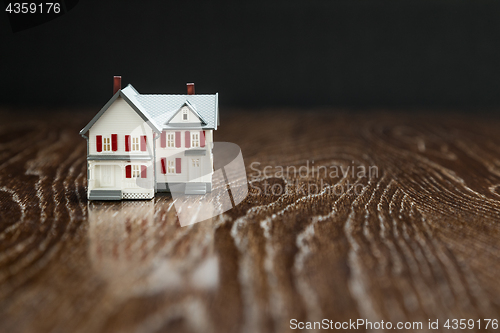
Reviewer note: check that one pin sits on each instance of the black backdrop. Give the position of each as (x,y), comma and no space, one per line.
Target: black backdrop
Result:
(397,54)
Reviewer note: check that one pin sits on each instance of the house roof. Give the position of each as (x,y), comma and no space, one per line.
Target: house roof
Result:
(163,107)
(157,110)
(192,108)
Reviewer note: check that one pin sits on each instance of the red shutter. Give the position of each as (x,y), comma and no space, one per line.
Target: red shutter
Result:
(178,139)
(127,142)
(188,139)
(163,141)
(114,142)
(202,138)
(128,171)
(144,171)
(98,143)
(143,143)
(163,165)
(177,165)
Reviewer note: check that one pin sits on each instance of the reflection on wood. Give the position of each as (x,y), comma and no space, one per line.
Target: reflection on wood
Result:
(416,240)
(227,192)
(136,253)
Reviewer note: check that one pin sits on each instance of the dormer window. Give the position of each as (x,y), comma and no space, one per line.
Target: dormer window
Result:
(185,114)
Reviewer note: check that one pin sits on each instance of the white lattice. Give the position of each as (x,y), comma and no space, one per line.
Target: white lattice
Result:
(137,196)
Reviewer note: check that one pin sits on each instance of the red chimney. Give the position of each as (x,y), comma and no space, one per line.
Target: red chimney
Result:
(190,88)
(117,84)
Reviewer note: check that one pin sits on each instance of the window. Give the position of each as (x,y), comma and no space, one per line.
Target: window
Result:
(135,144)
(106,144)
(167,166)
(196,162)
(135,171)
(171,166)
(184,114)
(195,140)
(170,140)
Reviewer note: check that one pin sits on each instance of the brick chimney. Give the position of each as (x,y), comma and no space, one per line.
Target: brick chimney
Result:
(190,88)
(117,84)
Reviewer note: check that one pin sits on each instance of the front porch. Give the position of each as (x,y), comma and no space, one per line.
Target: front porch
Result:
(112,181)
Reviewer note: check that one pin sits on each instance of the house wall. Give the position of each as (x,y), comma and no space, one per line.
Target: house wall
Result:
(206,165)
(122,120)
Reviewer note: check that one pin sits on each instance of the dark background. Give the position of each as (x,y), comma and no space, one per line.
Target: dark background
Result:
(395,54)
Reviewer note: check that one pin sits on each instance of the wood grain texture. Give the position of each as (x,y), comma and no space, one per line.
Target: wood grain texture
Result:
(419,241)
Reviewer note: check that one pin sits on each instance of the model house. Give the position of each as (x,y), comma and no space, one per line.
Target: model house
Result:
(140,144)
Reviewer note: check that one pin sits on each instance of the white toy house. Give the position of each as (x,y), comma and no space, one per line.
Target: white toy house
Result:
(140,144)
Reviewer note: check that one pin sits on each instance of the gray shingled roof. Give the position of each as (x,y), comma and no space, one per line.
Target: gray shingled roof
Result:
(157,110)
(161,108)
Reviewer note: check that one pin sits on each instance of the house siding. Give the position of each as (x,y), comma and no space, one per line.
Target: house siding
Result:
(121,119)
(172,153)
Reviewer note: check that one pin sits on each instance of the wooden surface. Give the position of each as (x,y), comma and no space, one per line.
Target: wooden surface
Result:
(420,241)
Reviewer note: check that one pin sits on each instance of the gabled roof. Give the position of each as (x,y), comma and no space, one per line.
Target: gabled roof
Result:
(157,110)
(163,107)
(133,104)
(192,108)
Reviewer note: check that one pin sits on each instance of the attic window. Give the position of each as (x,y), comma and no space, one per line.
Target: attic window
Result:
(184,114)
